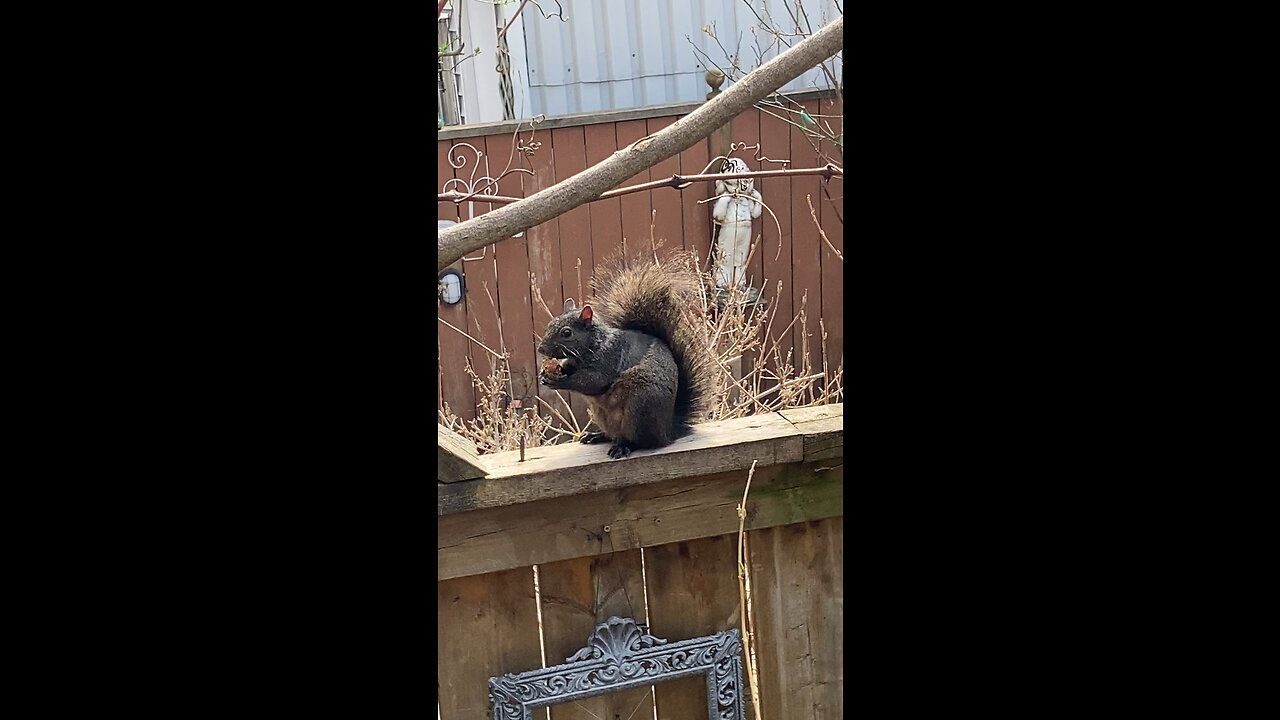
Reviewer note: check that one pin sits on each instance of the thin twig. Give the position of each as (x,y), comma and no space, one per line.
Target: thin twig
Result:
(677,182)
(486,347)
(744,584)
(826,364)
(559,13)
(557,412)
(814,214)
(789,383)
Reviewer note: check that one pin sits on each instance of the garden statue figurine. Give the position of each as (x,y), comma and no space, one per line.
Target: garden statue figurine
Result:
(737,206)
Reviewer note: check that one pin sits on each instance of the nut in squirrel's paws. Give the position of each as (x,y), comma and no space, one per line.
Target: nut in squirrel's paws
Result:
(554,369)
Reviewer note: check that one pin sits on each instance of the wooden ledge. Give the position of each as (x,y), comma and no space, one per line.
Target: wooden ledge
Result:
(554,471)
(457,458)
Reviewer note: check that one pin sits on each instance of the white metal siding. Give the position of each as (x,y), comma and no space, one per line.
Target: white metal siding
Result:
(616,54)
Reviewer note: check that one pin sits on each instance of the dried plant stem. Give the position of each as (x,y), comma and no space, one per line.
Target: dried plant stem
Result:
(537,294)
(786,384)
(744,596)
(814,214)
(826,364)
(465,335)
(581,297)
(576,425)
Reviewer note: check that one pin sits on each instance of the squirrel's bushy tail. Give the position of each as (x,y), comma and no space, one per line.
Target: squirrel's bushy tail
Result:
(663,301)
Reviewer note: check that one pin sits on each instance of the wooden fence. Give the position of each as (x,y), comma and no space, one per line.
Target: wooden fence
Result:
(499,309)
(537,553)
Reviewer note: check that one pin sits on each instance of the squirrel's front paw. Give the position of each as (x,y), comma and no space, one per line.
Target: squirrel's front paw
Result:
(619,450)
(593,437)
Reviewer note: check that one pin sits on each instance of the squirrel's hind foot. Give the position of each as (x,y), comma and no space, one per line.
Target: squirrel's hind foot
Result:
(619,449)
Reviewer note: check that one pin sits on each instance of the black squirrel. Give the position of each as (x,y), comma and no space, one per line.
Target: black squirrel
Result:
(642,360)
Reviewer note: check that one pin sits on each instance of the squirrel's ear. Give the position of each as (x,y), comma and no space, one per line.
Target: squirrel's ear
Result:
(586,314)
(570,305)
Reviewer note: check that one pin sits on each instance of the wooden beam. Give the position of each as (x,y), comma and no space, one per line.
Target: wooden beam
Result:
(822,428)
(456,458)
(586,525)
(507,127)
(557,471)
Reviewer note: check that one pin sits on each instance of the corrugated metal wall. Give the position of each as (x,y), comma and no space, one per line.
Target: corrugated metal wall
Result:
(616,54)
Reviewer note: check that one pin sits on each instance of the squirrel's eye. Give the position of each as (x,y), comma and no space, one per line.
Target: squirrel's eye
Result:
(565,332)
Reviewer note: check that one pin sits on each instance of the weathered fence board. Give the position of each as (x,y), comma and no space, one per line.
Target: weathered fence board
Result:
(455,385)
(570,508)
(797,575)
(668,218)
(775,250)
(576,596)
(576,260)
(487,625)
(515,325)
(696,218)
(693,590)
(806,259)
(481,271)
(636,207)
(679,509)
(568,469)
(606,215)
(545,260)
(832,266)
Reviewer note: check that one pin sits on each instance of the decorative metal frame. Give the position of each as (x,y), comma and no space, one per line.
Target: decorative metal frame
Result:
(619,656)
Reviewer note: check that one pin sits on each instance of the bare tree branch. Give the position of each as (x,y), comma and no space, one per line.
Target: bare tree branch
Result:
(504,222)
(814,214)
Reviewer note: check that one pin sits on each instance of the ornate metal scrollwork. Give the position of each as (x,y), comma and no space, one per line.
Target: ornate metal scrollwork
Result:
(619,655)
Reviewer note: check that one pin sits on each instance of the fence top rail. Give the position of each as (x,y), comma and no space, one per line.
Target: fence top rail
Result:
(552,471)
(454,132)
